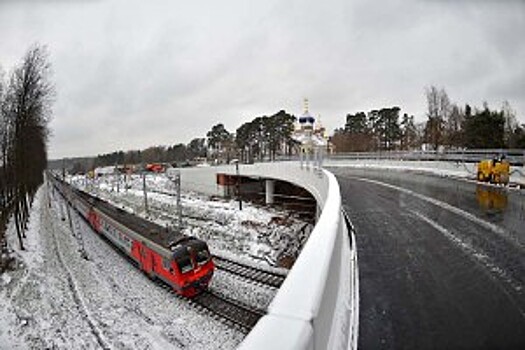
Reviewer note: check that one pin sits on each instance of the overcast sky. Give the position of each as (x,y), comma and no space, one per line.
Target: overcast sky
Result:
(131,74)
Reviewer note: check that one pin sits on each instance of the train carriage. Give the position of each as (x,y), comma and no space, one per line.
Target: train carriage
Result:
(181,261)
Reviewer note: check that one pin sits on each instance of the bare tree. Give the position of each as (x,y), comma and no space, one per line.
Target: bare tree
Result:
(510,121)
(26,110)
(454,126)
(439,108)
(3,150)
(409,133)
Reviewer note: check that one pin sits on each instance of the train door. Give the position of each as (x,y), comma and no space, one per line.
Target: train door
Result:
(146,259)
(143,256)
(94,220)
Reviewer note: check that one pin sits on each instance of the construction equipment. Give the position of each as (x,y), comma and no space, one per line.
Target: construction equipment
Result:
(495,171)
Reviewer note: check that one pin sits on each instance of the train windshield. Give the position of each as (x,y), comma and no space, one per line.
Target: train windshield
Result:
(202,257)
(184,264)
(192,254)
(202,254)
(183,259)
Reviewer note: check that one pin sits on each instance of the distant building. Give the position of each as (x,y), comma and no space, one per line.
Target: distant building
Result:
(105,170)
(311,137)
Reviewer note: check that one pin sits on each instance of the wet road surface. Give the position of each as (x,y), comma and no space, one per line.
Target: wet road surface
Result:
(442,261)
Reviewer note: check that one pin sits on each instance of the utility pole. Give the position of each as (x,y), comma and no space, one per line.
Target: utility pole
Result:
(179,205)
(63,170)
(145,192)
(117,173)
(77,233)
(238,183)
(174,175)
(118,182)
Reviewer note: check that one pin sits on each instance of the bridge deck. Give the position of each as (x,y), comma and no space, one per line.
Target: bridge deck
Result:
(440,266)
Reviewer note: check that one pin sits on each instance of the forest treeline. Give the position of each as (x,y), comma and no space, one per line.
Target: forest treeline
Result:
(26,95)
(447,126)
(263,137)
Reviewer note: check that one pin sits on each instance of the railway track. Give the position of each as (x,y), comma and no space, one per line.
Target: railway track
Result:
(249,272)
(77,297)
(232,311)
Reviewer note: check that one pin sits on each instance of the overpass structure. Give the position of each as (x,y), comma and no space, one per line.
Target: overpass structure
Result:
(317,307)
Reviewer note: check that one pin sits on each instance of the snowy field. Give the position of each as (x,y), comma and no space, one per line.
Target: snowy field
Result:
(57,299)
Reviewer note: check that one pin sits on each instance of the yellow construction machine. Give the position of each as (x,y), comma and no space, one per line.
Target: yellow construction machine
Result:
(495,171)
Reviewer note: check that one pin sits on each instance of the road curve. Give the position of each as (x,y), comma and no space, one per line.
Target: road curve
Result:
(442,261)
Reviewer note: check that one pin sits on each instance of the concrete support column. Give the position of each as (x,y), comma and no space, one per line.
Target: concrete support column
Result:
(307,158)
(270,189)
(321,156)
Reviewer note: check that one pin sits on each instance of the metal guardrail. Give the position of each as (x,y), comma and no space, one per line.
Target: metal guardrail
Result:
(515,157)
(354,314)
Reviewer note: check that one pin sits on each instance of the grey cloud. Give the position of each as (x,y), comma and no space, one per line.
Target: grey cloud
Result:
(130,74)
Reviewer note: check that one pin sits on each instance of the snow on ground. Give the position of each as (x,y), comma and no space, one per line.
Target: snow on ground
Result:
(261,234)
(56,299)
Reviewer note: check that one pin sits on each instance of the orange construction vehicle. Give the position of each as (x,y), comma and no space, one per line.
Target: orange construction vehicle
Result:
(155,168)
(494,171)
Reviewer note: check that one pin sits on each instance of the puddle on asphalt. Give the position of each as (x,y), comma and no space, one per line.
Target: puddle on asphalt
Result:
(492,202)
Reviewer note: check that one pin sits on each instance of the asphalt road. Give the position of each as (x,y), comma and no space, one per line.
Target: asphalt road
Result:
(442,261)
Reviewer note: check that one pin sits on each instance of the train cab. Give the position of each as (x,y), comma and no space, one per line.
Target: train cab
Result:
(194,265)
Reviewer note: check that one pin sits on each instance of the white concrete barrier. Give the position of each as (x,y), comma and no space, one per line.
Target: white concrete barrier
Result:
(317,305)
